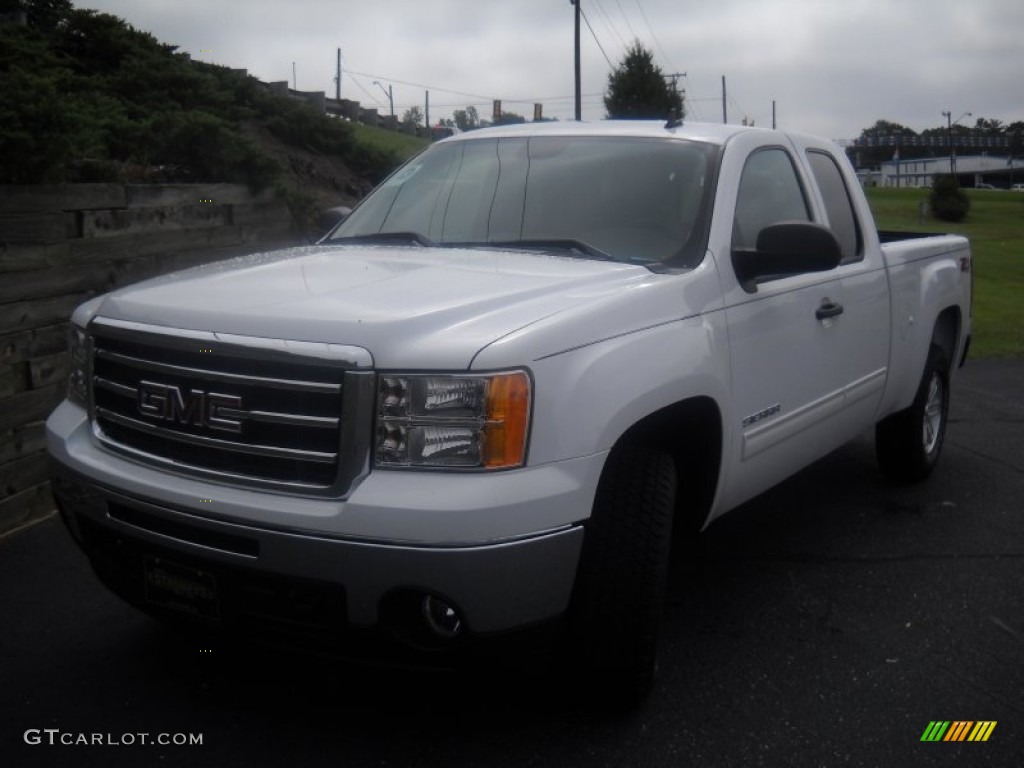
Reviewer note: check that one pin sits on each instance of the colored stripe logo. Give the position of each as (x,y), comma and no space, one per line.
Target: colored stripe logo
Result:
(958,730)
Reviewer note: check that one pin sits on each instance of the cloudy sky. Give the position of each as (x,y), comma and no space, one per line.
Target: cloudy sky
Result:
(832,67)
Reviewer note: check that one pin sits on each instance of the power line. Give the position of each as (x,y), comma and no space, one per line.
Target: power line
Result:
(696,111)
(592,34)
(626,19)
(607,21)
(739,108)
(421,85)
(478,99)
(654,37)
(364,89)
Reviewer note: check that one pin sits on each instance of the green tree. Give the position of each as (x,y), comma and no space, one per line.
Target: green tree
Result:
(466,119)
(987,127)
(878,144)
(509,118)
(43,15)
(38,139)
(637,89)
(413,117)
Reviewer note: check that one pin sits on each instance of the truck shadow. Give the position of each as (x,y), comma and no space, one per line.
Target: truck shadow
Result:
(759,578)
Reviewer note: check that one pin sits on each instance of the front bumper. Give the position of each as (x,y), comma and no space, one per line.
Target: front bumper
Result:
(122,513)
(496,587)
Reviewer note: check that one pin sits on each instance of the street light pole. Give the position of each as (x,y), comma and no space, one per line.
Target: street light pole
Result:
(389,94)
(949,137)
(579,104)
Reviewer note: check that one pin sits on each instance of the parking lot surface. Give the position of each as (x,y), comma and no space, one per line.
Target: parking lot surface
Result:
(826,623)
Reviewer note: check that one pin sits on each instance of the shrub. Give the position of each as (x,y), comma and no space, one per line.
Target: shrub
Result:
(947,200)
(302,126)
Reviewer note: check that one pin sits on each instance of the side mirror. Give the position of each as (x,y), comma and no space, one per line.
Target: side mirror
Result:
(785,249)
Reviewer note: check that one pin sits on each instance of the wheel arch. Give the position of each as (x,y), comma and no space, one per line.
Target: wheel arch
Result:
(946,332)
(691,432)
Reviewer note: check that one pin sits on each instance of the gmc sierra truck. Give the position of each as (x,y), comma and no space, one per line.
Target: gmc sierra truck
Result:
(494,395)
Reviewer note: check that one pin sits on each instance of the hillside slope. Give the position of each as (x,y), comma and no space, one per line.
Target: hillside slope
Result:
(89,98)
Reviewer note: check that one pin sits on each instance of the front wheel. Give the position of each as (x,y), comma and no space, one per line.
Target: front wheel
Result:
(908,443)
(620,587)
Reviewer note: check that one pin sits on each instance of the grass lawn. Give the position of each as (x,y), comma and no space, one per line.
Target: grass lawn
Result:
(995,227)
(404,145)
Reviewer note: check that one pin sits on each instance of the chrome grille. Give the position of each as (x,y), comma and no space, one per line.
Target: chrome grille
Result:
(284,414)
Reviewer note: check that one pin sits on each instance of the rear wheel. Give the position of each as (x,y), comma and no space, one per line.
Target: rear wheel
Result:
(908,443)
(620,586)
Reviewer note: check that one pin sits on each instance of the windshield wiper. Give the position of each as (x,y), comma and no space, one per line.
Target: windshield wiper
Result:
(387,238)
(565,245)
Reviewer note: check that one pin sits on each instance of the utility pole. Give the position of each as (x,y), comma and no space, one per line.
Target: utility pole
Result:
(579,103)
(295,85)
(337,79)
(426,114)
(1014,145)
(949,140)
(774,126)
(675,87)
(950,122)
(725,112)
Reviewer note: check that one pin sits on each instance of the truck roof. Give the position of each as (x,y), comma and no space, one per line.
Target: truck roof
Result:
(712,133)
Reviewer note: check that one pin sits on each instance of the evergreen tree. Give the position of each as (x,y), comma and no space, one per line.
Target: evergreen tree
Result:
(947,200)
(637,89)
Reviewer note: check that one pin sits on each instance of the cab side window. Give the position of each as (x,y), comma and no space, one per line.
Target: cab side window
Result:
(770,192)
(838,205)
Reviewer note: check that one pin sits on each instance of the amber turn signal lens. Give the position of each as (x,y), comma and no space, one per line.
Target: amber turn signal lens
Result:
(508,419)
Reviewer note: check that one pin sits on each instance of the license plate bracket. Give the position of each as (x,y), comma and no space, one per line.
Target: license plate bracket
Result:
(181,588)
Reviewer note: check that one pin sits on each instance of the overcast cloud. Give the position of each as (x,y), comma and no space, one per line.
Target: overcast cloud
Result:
(832,66)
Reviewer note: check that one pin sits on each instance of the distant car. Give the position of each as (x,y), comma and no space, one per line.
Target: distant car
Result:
(1018,187)
(984,186)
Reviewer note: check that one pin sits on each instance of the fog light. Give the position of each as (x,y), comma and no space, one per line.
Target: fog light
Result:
(441,618)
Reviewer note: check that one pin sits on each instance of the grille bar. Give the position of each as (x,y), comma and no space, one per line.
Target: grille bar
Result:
(295,419)
(294,486)
(213,442)
(179,370)
(115,387)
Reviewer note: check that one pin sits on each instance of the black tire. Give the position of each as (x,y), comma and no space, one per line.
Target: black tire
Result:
(618,601)
(908,443)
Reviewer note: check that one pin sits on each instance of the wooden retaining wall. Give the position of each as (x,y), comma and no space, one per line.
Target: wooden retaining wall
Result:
(62,244)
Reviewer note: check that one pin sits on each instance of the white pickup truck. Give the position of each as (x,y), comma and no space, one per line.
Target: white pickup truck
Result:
(487,400)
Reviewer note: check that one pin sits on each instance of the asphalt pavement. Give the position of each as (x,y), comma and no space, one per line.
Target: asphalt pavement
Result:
(826,623)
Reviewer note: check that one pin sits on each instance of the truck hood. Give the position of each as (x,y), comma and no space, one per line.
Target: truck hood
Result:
(409,306)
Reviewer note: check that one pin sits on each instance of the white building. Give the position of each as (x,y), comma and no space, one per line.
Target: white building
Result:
(972,170)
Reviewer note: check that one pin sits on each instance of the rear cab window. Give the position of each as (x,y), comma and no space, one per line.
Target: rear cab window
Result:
(842,219)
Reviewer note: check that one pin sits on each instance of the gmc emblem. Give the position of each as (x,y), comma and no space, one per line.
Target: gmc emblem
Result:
(196,408)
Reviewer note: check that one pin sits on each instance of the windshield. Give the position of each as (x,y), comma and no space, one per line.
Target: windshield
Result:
(634,199)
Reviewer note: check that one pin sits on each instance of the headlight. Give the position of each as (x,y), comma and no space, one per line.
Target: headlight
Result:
(453,421)
(78,367)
